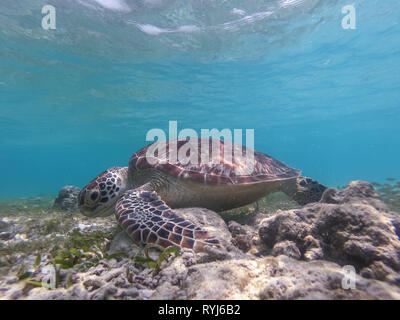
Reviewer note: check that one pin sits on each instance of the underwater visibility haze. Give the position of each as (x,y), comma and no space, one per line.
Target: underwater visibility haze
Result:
(82,83)
(81,98)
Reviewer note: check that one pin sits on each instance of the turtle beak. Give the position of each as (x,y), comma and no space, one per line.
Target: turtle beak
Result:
(93,209)
(83,207)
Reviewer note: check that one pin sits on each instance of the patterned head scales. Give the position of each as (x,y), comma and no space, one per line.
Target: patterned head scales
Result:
(98,198)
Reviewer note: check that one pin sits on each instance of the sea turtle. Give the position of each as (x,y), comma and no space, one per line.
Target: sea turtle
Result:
(144,194)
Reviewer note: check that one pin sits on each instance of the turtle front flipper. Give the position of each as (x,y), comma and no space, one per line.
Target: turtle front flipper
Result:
(147,219)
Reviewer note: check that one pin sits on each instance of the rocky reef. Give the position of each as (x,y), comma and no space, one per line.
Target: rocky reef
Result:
(67,198)
(350,227)
(295,252)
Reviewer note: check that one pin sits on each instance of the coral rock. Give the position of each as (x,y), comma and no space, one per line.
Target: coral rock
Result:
(351,227)
(67,198)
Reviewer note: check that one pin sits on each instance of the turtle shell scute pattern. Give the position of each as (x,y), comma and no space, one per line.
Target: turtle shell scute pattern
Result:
(216,170)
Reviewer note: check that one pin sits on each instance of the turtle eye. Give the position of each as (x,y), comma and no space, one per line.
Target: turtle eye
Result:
(94,195)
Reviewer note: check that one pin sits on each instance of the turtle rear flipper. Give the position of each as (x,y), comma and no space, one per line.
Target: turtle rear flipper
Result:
(147,219)
(304,190)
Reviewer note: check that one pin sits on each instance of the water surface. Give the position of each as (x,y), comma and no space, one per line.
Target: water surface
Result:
(79,99)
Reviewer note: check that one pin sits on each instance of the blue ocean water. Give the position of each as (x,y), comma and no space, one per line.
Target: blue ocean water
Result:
(81,98)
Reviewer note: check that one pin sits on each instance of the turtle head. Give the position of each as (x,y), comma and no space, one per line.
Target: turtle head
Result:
(99,197)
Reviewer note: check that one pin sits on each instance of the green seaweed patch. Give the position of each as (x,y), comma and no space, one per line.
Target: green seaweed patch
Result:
(156,264)
(82,250)
(31,283)
(23,273)
(37,261)
(68,281)
(35,283)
